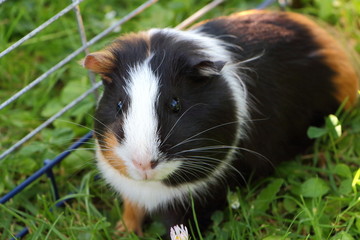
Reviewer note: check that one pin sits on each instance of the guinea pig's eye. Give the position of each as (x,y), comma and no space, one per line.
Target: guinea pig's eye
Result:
(175,105)
(119,106)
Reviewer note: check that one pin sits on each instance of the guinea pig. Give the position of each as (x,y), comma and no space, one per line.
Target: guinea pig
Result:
(187,115)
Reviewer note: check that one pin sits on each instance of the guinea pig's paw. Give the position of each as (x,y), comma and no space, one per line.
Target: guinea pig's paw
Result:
(133,217)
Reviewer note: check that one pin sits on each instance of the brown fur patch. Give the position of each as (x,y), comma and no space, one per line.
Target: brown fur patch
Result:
(119,45)
(108,152)
(346,80)
(101,62)
(238,14)
(133,218)
(249,12)
(133,37)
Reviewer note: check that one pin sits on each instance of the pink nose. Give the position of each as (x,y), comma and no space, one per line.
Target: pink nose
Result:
(142,165)
(147,165)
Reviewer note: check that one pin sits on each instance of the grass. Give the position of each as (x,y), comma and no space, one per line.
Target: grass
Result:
(316,196)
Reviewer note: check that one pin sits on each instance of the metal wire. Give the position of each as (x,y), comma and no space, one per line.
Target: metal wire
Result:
(81,28)
(49,121)
(77,52)
(60,64)
(44,169)
(265,4)
(198,14)
(40,28)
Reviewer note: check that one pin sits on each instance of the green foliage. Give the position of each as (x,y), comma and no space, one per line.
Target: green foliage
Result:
(267,195)
(314,187)
(316,196)
(332,128)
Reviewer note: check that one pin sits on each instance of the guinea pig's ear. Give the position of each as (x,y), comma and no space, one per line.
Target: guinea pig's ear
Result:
(208,68)
(101,62)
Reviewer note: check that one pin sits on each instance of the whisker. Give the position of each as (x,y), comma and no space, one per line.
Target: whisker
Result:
(221,177)
(197,134)
(194,169)
(110,130)
(177,121)
(83,126)
(191,172)
(162,60)
(198,139)
(226,147)
(227,164)
(94,149)
(215,147)
(178,177)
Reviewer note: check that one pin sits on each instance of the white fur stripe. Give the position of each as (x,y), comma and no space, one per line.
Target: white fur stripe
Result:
(140,122)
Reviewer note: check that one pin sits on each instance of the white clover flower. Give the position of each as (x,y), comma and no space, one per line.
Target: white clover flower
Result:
(179,233)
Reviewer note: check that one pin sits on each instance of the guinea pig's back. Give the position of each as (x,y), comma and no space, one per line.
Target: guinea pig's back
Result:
(298,75)
(286,41)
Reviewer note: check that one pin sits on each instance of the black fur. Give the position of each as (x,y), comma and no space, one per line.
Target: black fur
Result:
(290,85)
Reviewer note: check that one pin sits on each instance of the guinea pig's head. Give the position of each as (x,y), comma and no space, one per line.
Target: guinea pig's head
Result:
(168,112)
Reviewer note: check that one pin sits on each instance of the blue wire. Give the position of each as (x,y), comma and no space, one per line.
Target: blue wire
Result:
(45,169)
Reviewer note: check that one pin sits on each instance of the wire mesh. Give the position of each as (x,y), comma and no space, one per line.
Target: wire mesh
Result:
(40,28)
(58,66)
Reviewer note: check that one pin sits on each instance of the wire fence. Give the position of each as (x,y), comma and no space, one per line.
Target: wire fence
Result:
(49,164)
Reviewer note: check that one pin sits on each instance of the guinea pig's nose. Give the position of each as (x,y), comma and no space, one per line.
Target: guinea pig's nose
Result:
(145,165)
(141,165)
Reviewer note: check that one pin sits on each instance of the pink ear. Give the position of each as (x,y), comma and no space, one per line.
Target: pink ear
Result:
(101,62)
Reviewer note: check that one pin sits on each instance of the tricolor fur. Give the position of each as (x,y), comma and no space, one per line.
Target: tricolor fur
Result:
(189,112)
(145,84)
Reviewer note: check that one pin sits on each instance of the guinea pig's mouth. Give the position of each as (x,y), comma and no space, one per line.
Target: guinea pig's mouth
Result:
(152,172)
(139,164)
